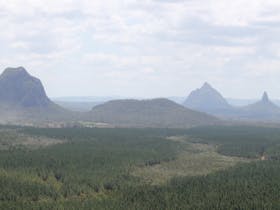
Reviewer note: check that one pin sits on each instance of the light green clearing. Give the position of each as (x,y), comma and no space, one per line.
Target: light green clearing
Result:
(195,159)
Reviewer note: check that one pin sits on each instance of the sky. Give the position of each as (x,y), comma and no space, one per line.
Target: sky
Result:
(144,48)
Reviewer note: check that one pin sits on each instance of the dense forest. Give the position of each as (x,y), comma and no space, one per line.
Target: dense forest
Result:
(84,168)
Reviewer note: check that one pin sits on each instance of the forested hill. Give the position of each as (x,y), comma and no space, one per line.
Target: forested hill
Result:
(149,113)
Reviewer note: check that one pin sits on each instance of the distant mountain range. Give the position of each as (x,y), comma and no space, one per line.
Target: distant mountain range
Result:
(24,100)
(209,100)
(86,103)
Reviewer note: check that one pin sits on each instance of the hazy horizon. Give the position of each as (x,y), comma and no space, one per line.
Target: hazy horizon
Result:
(144,49)
(178,99)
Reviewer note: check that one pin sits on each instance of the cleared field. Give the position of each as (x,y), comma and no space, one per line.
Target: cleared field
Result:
(194,159)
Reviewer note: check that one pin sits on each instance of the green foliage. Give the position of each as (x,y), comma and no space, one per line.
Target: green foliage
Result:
(249,186)
(245,141)
(91,169)
(89,164)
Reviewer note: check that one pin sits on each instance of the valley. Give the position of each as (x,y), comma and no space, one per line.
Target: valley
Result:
(135,154)
(109,168)
(139,105)
(194,159)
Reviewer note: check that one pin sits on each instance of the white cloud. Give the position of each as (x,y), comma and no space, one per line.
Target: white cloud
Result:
(181,42)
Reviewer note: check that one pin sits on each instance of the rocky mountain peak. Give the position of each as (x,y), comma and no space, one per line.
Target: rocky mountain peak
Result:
(206,99)
(206,85)
(265,98)
(19,88)
(15,72)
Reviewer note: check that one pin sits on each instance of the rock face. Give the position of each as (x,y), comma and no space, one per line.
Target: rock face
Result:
(18,88)
(207,99)
(23,100)
(265,98)
(149,113)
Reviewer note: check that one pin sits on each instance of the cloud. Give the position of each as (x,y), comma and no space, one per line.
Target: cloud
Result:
(142,44)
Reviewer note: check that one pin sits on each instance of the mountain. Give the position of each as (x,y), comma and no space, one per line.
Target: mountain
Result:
(77,106)
(18,87)
(149,113)
(207,99)
(261,110)
(23,99)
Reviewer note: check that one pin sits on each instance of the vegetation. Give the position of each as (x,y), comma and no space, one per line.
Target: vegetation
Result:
(193,160)
(85,168)
(241,141)
(90,163)
(250,186)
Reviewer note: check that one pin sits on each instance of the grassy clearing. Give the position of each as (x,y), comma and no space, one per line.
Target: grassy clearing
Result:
(195,159)
(12,138)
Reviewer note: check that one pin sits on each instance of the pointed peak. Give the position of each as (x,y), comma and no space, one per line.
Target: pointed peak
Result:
(206,85)
(265,97)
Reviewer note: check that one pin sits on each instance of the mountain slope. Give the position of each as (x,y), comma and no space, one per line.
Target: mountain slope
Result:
(261,110)
(17,87)
(149,113)
(207,99)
